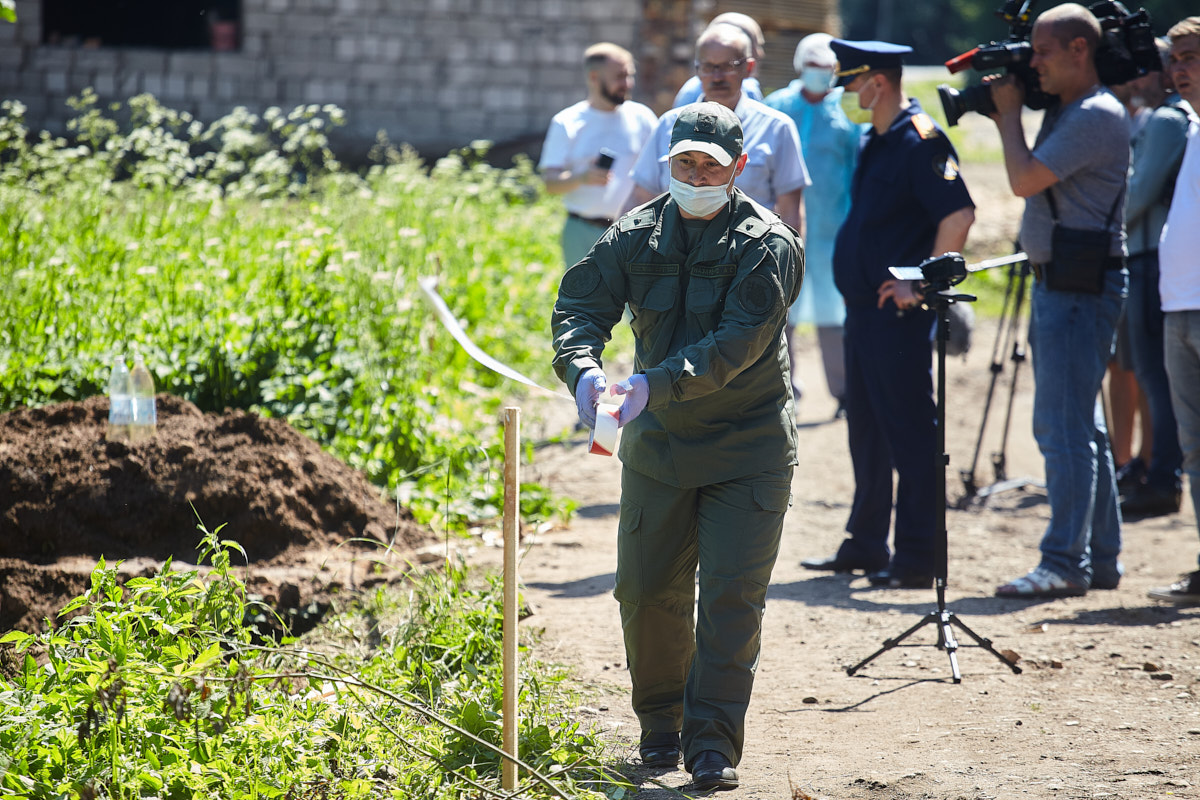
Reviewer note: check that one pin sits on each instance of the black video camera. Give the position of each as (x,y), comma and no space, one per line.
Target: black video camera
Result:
(1126,50)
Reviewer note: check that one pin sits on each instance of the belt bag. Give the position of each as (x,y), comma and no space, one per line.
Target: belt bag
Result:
(1078,257)
(1079,260)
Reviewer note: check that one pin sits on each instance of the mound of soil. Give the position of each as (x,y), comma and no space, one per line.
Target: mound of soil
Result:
(68,496)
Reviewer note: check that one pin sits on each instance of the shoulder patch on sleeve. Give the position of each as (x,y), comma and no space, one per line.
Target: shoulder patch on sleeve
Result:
(753,227)
(580,280)
(641,219)
(757,294)
(925,127)
(945,167)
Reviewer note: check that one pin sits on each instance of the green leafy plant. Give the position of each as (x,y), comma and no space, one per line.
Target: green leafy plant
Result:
(155,688)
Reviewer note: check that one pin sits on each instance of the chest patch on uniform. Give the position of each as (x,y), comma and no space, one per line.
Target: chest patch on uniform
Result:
(945,167)
(642,219)
(580,280)
(653,269)
(925,127)
(756,294)
(752,227)
(714,271)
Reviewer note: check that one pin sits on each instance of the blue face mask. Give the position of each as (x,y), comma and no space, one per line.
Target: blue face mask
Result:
(817,80)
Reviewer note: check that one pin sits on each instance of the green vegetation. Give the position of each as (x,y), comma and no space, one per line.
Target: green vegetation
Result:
(157,689)
(253,272)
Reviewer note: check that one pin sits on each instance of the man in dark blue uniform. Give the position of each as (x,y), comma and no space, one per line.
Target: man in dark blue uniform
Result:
(908,202)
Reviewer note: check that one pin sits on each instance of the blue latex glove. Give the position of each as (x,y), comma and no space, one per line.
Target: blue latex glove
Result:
(637,393)
(588,388)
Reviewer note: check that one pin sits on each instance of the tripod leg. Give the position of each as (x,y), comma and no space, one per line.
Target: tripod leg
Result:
(1018,356)
(999,460)
(985,643)
(1003,337)
(888,644)
(948,643)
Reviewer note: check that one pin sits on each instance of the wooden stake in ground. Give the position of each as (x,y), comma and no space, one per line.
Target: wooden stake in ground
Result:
(512,524)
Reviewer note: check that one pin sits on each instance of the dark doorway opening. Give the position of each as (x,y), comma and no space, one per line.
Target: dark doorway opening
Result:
(176,25)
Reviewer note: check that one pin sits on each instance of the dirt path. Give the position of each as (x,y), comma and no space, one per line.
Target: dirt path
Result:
(1106,704)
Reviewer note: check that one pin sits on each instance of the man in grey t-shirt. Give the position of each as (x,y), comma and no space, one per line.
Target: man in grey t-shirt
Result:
(1076,172)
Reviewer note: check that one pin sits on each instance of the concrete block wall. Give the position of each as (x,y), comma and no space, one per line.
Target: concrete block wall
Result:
(435,74)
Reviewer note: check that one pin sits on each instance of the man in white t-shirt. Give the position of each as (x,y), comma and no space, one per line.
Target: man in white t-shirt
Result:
(591,146)
(1179,286)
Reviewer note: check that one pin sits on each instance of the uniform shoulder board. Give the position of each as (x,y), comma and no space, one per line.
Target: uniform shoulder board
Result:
(753,227)
(925,127)
(637,219)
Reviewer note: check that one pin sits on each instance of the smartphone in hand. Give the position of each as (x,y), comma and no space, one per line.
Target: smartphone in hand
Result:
(606,158)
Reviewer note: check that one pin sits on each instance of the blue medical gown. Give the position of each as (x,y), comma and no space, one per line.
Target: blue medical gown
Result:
(829,141)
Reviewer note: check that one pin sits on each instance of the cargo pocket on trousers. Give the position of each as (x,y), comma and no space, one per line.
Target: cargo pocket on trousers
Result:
(628,588)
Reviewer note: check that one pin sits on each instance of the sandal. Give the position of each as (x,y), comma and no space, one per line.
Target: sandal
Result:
(1041,582)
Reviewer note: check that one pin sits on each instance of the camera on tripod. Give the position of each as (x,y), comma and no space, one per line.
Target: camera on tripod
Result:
(1125,51)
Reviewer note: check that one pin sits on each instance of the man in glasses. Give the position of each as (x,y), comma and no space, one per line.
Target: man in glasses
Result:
(775,174)
(692,90)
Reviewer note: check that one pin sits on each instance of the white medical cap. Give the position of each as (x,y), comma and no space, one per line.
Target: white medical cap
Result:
(815,48)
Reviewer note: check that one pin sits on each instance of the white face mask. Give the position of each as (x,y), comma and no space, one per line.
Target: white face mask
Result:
(816,80)
(699,201)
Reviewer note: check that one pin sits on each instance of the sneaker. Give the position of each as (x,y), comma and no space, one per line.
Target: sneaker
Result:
(1148,500)
(1041,583)
(1185,592)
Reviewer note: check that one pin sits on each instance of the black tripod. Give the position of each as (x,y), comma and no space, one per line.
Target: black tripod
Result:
(941,617)
(1007,338)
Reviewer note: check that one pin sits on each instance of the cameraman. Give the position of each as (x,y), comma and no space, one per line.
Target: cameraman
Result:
(1073,179)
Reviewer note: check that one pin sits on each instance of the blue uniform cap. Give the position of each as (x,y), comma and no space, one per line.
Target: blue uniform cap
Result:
(857,58)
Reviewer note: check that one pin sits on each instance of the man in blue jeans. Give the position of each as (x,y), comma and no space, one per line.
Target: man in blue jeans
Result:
(1074,178)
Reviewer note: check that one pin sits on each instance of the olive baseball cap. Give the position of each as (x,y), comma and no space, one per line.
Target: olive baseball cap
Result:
(710,128)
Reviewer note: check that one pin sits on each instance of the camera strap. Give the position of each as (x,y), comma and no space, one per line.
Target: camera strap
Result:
(1107,220)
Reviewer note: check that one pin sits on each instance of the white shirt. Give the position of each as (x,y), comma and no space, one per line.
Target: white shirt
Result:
(573,142)
(1179,245)
(775,164)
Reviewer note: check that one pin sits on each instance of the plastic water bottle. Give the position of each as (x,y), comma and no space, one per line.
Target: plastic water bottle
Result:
(144,425)
(120,402)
